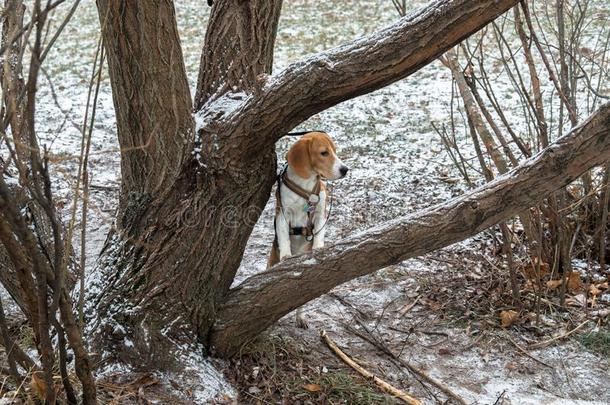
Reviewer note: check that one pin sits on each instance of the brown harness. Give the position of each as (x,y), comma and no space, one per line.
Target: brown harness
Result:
(311,197)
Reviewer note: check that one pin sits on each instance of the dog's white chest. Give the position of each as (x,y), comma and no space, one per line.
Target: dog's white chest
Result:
(295,209)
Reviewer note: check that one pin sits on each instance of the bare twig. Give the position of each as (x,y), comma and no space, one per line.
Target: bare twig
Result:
(83,173)
(603,223)
(545,343)
(408,307)
(403,396)
(552,75)
(376,341)
(525,352)
(8,346)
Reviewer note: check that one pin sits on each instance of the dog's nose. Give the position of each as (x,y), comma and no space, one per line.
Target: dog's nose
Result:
(343,170)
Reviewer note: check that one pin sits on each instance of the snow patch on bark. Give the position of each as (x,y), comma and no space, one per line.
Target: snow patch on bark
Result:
(221,107)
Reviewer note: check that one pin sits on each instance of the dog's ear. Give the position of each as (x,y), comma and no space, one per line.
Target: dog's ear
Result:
(298,158)
(326,137)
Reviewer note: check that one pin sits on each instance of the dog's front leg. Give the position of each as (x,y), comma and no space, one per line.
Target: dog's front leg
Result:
(320,222)
(282,230)
(319,227)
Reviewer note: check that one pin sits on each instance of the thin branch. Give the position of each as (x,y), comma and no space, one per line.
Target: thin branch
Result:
(59,30)
(17,35)
(403,396)
(541,345)
(551,71)
(85,179)
(8,344)
(376,341)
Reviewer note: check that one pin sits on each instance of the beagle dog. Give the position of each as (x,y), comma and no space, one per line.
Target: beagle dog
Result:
(300,211)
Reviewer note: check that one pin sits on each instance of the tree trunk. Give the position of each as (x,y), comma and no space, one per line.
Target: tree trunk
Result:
(238,47)
(151,99)
(180,247)
(166,273)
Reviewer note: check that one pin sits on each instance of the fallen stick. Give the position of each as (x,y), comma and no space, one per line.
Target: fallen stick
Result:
(415,370)
(522,350)
(408,307)
(381,383)
(500,397)
(548,342)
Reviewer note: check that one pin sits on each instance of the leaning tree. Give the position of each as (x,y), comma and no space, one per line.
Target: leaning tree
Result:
(197,171)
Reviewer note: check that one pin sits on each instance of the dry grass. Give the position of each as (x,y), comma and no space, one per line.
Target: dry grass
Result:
(274,369)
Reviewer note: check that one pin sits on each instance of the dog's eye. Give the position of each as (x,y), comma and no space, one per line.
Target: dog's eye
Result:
(325,153)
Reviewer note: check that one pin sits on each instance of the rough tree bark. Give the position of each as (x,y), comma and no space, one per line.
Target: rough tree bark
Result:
(238,47)
(171,261)
(151,97)
(166,272)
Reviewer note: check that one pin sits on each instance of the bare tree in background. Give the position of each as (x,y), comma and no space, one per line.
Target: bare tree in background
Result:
(193,187)
(553,40)
(35,256)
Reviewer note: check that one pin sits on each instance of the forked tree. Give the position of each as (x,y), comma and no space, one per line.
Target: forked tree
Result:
(197,171)
(184,217)
(170,265)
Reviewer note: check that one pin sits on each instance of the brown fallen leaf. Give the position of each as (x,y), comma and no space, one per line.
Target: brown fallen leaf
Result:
(553,284)
(530,270)
(38,385)
(594,291)
(312,387)
(574,281)
(509,318)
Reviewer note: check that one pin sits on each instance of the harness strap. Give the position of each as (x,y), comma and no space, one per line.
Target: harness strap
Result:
(300,191)
(301,231)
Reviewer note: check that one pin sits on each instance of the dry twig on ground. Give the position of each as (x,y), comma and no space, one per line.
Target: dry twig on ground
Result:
(406,398)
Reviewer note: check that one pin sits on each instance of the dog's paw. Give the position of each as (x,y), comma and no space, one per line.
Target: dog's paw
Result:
(301,321)
(284,255)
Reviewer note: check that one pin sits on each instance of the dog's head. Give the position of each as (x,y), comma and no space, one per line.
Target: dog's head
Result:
(315,153)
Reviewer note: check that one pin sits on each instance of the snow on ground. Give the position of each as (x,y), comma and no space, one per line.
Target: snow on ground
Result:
(398,166)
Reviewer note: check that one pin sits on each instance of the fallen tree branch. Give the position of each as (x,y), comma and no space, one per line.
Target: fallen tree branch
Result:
(545,343)
(526,353)
(390,389)
(264,298)
(402,311)
(375,341)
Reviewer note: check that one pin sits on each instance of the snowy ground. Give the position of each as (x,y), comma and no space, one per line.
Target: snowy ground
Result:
(398,166)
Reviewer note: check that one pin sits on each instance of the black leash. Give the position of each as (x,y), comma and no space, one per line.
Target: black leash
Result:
(299,133)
